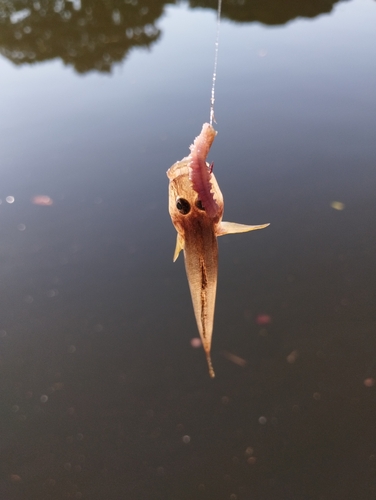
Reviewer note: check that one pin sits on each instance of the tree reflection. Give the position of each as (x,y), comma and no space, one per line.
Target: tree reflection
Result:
(268,11)
(88,34)
(94,34)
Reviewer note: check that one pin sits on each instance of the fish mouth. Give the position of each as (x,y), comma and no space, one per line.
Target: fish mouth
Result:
(199,171)
(179,168)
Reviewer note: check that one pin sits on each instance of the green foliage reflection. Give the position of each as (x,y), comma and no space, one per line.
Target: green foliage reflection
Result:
(95,34)
(88,34)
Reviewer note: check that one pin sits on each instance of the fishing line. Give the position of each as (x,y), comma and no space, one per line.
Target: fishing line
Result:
(215,64)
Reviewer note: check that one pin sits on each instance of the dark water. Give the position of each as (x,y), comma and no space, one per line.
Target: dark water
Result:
(102,395)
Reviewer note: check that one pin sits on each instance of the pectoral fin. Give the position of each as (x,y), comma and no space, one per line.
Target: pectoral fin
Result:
(232,228)
(179,246)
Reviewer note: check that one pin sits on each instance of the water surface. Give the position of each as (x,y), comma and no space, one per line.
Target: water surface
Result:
(102,395)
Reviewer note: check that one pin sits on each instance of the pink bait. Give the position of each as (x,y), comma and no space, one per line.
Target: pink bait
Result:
(200,173)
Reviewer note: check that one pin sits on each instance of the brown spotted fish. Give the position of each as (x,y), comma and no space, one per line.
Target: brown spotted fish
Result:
(196,209)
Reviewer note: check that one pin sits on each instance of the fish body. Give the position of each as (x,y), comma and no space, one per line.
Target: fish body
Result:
(196,210)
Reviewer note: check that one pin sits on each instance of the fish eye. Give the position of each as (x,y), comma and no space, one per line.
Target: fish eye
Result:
(199,205)
(183,206)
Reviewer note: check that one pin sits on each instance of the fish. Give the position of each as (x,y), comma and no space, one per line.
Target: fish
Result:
(196,209)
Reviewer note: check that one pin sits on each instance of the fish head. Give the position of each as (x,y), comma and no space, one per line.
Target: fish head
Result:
(185,207)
